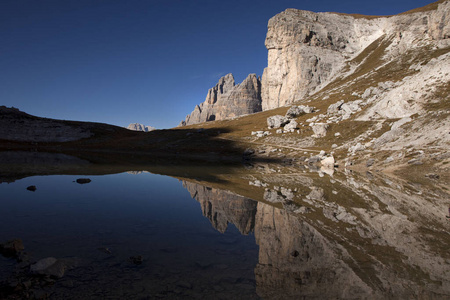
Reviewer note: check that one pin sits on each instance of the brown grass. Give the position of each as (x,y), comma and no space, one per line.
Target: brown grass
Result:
(429,7)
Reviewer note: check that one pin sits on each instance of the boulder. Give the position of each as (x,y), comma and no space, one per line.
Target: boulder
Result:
(12,248)
(357,147)
(292,125)
(83,180)
(320,129)
(31,188)
(277,121)
(49,266)
(294,112)
(334,108)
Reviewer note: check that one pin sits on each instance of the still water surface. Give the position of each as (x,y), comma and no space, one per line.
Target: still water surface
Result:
(137,235)
(127,236)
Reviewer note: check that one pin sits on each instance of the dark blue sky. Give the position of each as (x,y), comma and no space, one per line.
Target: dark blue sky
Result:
(127,61)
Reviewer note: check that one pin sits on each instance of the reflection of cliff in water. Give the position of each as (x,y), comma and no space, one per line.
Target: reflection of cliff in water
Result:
(374,245)
(223,207)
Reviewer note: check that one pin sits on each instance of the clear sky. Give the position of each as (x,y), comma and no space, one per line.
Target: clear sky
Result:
(136,61)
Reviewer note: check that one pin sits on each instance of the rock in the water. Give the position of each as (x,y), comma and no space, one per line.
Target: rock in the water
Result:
(31,188)
(83,180)
(328,162)
(313,160)
(137,260)
(277,121)
(12,248)
(49,266)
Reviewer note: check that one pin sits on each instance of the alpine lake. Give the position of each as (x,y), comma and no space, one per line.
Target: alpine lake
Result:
(166,230)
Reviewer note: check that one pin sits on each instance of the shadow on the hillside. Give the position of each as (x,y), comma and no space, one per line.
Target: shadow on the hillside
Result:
(197,154)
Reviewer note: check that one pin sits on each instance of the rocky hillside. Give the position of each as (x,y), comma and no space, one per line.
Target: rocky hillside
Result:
(362,89)
(380,68)
(140,127)
(227,100)
(18,126)
(307,51)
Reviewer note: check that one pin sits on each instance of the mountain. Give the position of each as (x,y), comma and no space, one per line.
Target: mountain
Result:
(372,92)
(379,89)
(227,100)
(140,127)
(385,68)
(307,50)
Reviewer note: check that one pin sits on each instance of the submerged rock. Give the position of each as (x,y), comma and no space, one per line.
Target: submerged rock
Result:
(83,180)
(49,266)
(12,248)
(31,188)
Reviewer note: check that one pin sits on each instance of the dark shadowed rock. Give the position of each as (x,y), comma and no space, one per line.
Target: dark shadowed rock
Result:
(31,188)
(49,266)
(83,180)
(12,248)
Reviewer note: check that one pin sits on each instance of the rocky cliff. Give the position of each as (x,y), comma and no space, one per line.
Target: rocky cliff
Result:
(307,50)
(227,100)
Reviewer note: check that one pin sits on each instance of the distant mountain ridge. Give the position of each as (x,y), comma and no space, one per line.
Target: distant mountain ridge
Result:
(140,127)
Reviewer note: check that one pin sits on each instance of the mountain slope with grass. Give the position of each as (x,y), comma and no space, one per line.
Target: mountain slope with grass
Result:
(379,87)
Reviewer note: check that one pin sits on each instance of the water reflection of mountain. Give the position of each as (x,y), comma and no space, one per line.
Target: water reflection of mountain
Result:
(322,255)
(223,207)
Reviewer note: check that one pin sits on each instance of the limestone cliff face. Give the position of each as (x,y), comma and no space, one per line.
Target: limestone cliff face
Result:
(222,207)
(307,50)
(227,100)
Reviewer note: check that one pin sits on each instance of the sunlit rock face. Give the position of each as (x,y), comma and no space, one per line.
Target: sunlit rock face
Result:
(140,127)
(223,207)
(307,50)
(227,100)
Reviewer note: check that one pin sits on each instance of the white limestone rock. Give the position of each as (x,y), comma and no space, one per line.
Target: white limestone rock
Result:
(320,129)
(277,121)
(227,100)
(140,127)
